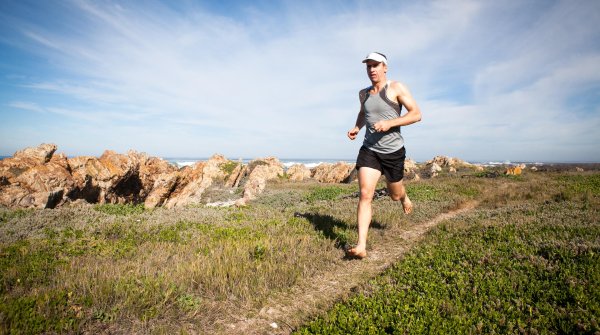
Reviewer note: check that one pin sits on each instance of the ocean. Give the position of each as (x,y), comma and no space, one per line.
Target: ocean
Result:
(287,162)
(312,162)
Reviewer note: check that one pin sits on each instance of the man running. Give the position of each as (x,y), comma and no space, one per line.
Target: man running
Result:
(383,149)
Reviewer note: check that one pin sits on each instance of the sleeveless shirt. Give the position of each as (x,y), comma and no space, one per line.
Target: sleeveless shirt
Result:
(378,107)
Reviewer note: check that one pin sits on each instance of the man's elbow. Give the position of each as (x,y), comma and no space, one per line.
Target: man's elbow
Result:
(417,116)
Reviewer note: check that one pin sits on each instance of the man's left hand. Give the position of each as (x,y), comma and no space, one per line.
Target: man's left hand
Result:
(381,126)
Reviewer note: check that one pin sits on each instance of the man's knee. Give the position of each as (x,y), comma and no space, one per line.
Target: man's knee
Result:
(366,195)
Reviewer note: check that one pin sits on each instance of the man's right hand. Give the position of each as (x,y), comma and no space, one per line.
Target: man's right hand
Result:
(353,132)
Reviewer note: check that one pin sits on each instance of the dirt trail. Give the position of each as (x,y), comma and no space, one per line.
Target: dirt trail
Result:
(280,314)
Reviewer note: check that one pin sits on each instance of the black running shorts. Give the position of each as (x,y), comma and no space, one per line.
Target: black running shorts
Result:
(391,165)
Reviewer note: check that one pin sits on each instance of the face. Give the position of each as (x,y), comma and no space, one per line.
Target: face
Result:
(376,71)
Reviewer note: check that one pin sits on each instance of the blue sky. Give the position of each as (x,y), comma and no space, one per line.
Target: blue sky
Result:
(496,80)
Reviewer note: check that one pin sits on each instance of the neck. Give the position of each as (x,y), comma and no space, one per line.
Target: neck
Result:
(377,86)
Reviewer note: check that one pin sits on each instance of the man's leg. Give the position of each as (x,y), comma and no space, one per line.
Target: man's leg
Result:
(367,181)
(398,193)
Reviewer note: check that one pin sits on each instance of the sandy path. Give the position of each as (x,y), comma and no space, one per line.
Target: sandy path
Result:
(321,292)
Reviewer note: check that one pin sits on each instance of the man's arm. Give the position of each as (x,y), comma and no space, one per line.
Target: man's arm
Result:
(360,122)
(404,98)
(360,119)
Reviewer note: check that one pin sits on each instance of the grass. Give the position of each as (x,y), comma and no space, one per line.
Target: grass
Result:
(525,263)
(529,253)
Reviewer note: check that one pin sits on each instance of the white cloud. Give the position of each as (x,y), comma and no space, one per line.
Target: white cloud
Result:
(485,74)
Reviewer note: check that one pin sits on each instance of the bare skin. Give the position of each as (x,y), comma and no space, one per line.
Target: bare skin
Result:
(368,177)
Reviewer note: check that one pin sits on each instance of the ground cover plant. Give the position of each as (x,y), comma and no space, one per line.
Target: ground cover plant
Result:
(123,269)
(526,261)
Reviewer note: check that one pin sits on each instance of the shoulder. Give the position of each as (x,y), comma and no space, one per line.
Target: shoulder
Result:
(362,94)
(398,86)
(398,90)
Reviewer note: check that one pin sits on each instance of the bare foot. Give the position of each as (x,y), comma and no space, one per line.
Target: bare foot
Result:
(356,253)
(407,205)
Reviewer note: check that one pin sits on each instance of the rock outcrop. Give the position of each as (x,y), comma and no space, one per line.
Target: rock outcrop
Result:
(195,180)
(339,172)
(298,172)
(261,171)
(39,178)
(514,171)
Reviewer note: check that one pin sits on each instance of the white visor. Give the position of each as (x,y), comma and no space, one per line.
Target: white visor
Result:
(376,57)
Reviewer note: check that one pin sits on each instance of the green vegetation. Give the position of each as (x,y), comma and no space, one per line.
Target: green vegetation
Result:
(526,260)
(120,209)
(520,268)
(7,215)
(326,193)
(228,167)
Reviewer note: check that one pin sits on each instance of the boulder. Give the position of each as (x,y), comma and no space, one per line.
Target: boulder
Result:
(445,161)
(514,171)
(236,175)
(17,196)
(34,177)
(35,156)
(261,171)
(409,165)
(298,172)
(274,167)
(195,180)
(333,173)
(47,177)
(434,169)
(256,183)
(162,188)
(23,160)
(112,178)
(150,170)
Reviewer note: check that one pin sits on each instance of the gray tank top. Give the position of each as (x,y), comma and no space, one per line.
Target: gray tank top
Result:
(378,107)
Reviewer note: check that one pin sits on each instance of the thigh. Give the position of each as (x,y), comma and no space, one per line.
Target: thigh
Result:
(367,179)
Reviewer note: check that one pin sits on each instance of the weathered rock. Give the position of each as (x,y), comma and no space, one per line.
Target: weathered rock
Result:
(23,160)
(38,155)
(409,165)
(112,178)
(274,167)
(434,169)
(236,175)
(298,172)
(16,196)
(445,161)
(150,170)
(262,170)
(163,186)
(515,171)
(257,181)
(333,173)
(195,180)
(47,177)
(33,177)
